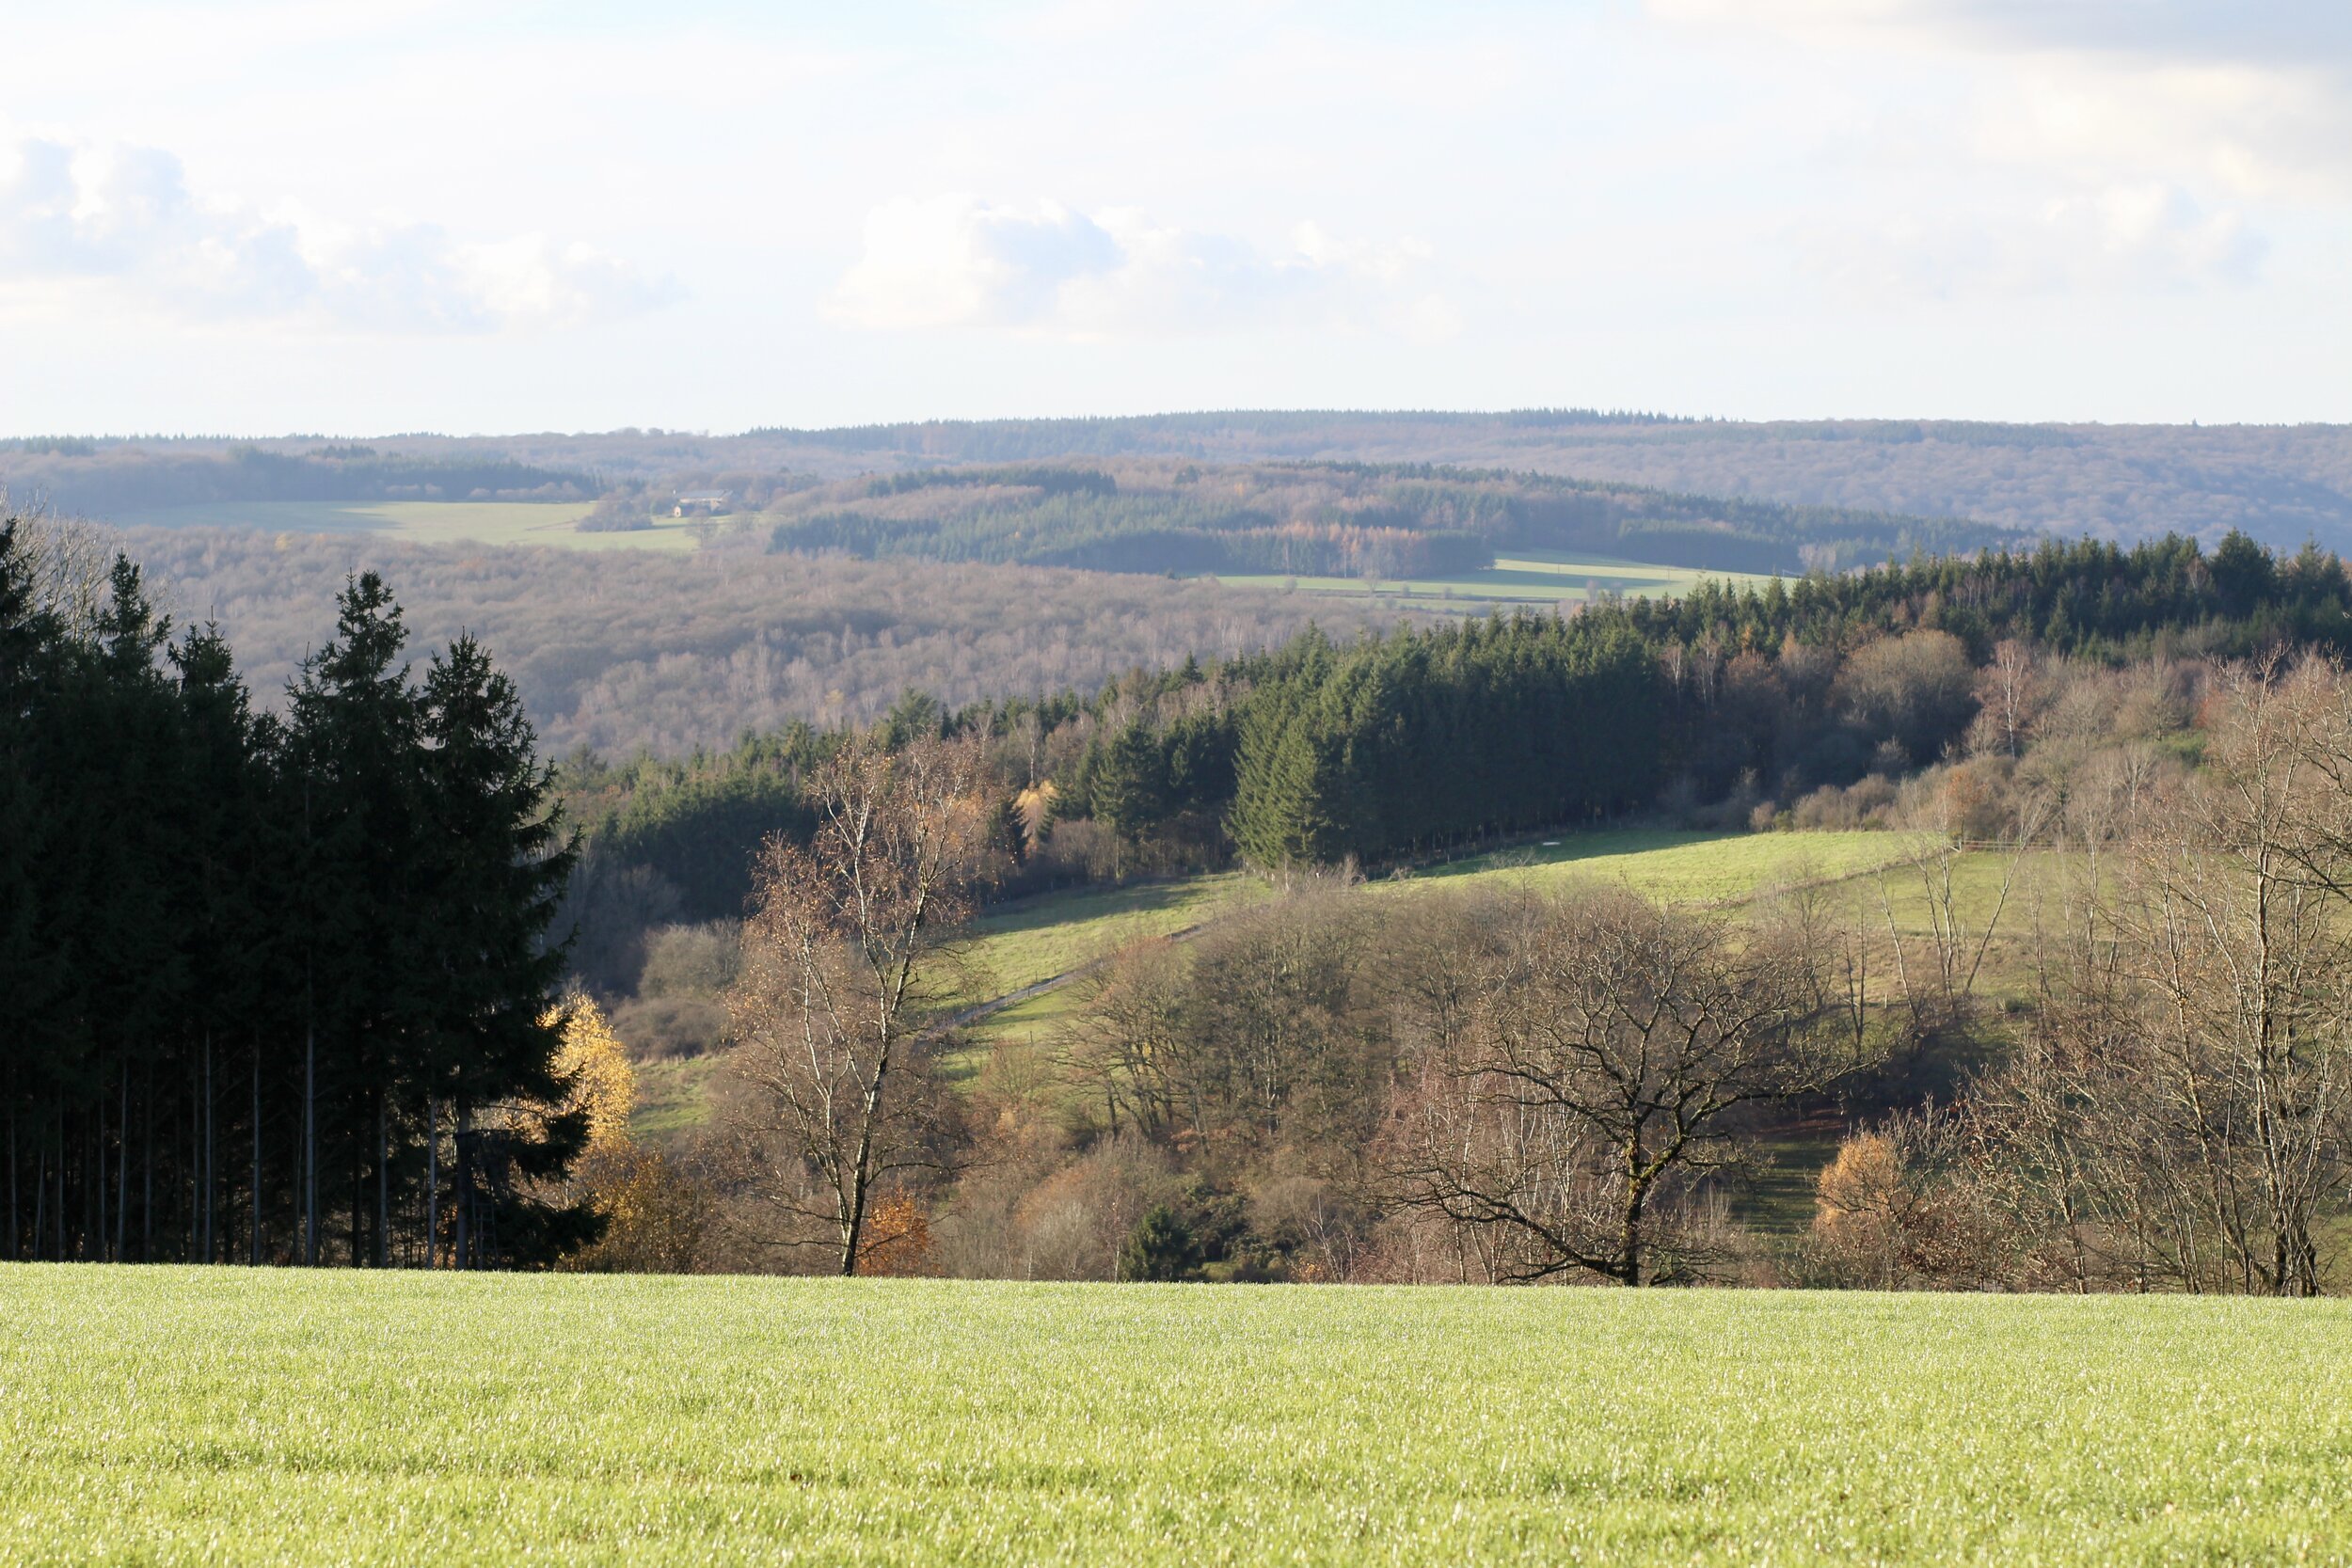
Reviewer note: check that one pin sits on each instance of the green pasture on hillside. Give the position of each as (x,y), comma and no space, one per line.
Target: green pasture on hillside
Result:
(174,1416)
(1674,866)
(1020,944)
(1522,578)
(423,522)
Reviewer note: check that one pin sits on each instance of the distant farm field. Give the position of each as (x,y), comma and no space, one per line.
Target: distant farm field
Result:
(1522,578)
(184,1416)
(422,522)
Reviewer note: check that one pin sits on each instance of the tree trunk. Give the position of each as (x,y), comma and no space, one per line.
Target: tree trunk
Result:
(210,1177)
(1630,1226)
(465,1187)
(853,1231)
(146,1181)
(309,1148)
(123,1162)
(432,1181)
(255,1245)
(97,1243)
(383,1187)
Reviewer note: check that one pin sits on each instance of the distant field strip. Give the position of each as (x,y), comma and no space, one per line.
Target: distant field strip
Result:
(186,1415)
(1523,577)
(420,522)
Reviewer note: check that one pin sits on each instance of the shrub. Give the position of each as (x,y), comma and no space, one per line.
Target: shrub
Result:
(1161,1248)
(691,960)
(655,1028)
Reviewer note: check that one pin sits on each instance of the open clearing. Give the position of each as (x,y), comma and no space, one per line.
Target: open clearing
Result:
(184,1414)
(1022,941)
(1020,944)
(1674,866)
(423,522)
(1521,578)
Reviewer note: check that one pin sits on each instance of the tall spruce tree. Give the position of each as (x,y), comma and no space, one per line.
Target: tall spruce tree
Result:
(356,750)
(30,979)
(497,860)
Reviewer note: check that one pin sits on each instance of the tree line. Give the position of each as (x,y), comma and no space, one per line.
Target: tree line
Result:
(103,478)
(278,990)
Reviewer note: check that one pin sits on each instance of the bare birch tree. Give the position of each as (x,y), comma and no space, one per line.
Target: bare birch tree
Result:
(840,997)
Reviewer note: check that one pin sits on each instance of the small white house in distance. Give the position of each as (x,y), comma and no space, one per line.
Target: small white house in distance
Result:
(707,503)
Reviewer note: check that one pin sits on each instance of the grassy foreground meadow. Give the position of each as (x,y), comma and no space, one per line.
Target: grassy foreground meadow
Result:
(182,1415)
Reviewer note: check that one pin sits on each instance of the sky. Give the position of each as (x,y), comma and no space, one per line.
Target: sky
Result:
(481,217)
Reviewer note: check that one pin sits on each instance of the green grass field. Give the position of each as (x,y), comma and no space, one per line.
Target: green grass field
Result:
(423,522)
(1019,943)
(1673,865)
(186,1415)
(1522,578)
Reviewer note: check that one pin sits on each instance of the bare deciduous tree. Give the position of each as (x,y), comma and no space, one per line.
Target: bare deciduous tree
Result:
(1129,1043)
(840,992)
(1614,1045)
(2177,1114)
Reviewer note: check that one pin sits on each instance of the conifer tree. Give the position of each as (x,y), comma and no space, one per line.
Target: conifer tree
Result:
(356,750)
(499,856)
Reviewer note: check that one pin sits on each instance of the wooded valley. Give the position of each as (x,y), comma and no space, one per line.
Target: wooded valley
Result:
(1348,1068)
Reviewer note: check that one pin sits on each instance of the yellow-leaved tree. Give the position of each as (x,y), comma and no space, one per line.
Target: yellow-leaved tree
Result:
(654,1214)
(603,1082)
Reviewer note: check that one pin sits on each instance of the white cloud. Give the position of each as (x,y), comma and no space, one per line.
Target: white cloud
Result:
(123,219)
(2144,236)
(955,260)
(962,261)
(2291,31)
(2253,96)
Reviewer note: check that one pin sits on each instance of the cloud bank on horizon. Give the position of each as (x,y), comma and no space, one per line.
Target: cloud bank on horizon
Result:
(250,218)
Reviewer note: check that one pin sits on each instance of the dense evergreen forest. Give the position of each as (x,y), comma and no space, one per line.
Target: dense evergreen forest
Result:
(276,990)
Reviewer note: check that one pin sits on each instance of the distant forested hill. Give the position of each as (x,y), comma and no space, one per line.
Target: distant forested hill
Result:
(106,478)
(1325,518)
(2280,483)
(675,652)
